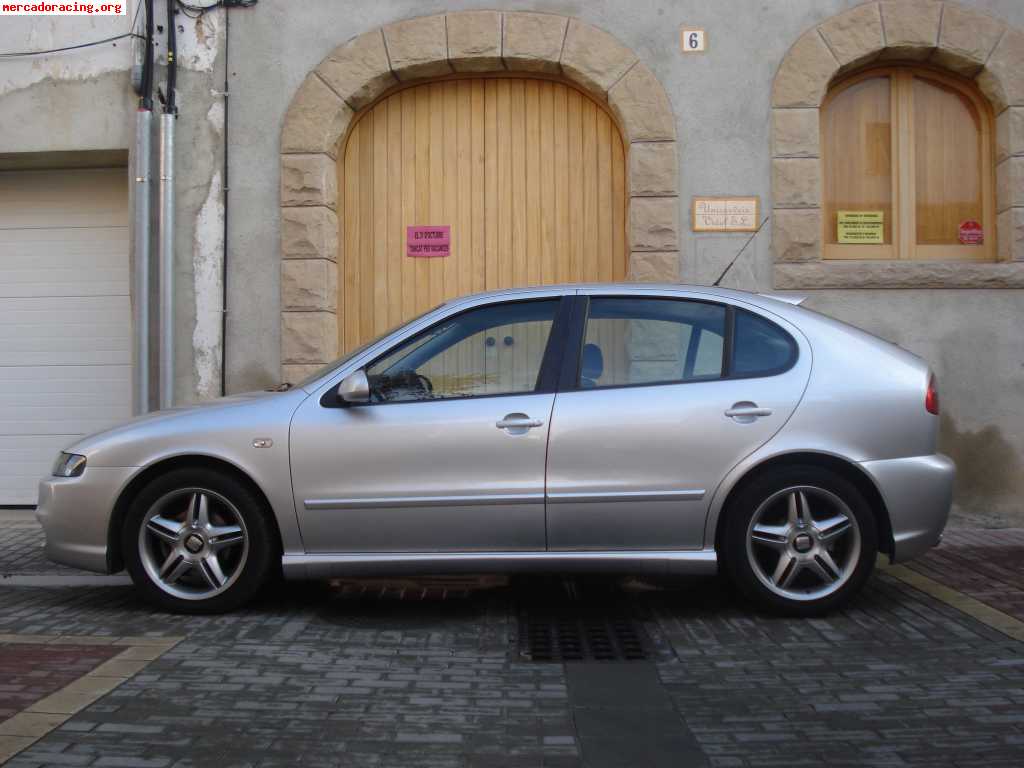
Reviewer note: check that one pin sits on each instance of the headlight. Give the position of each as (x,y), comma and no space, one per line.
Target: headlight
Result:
(69,465)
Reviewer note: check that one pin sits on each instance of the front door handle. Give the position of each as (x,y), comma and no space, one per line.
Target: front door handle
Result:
(518,423)
(745,412)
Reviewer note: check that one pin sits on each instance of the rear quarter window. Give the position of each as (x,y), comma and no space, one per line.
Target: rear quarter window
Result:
(760,347)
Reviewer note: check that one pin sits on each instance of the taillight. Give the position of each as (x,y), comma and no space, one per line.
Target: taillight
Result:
(931,397)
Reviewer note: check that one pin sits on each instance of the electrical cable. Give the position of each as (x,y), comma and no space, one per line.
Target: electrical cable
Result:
(19,54)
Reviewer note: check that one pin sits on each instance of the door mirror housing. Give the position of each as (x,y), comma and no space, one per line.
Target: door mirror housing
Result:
(354,389)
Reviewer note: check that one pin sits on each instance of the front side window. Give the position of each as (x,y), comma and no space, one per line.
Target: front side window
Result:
(493,350)
(631,341)
(907,168)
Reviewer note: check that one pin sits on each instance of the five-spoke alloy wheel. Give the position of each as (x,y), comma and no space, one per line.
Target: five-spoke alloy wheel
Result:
(193,543)
(800,540)
(199,541)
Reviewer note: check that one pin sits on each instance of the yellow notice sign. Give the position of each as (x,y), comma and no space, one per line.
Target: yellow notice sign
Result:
(861,226)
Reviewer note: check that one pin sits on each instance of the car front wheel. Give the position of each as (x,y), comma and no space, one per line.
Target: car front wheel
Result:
(800,541)
(198,541)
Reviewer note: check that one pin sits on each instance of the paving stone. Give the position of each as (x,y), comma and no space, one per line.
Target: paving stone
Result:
(312,675)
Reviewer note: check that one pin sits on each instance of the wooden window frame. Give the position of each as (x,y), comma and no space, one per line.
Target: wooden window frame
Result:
(904,246)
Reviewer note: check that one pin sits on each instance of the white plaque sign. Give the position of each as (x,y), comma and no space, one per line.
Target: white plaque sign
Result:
(725,214)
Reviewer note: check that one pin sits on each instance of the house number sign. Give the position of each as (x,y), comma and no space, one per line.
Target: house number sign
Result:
(692,40)
(428,242)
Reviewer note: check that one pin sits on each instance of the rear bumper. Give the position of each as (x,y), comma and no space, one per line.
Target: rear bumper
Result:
(75,515)
(918,492)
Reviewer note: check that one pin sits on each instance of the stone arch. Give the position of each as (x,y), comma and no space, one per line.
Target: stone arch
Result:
(366,67)
(942,34)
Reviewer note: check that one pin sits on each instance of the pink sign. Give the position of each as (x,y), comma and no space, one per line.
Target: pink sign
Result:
(971,233)
(428,242)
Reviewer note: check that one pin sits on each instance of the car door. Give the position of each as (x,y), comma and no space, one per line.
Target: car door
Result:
(449,453)
(669,393)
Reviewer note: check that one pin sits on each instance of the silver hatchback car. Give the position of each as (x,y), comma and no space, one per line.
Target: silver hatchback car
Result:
(636,428)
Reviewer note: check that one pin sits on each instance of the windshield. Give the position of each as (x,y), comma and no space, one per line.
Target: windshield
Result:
(339,362)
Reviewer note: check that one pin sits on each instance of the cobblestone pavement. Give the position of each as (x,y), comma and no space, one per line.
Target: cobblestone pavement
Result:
(321,675)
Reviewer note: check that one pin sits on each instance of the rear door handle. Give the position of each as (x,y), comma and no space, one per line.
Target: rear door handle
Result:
(746,412)
(518,423)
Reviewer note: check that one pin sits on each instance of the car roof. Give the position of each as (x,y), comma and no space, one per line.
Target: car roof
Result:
(766,300)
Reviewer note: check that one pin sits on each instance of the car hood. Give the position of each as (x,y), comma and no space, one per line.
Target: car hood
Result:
(114,446)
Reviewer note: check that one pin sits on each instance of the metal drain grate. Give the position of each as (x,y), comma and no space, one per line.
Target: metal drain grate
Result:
(581,638)
(572,622)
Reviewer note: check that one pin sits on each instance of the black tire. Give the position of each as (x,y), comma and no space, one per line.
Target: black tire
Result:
(738,520)
(261,563)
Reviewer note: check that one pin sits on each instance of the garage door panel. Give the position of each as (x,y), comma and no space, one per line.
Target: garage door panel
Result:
(62,310)
(65,317)
(60,199)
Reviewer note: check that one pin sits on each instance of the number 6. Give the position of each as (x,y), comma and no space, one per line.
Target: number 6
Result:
(692,40)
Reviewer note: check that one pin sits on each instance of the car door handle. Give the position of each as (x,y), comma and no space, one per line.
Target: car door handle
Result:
(518,421)
(746,412)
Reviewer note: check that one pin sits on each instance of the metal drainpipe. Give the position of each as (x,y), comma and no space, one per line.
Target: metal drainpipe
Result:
(167,218)
(166,260)
(143,123)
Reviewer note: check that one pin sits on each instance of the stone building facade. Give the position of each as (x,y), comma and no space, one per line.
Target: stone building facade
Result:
(744,117)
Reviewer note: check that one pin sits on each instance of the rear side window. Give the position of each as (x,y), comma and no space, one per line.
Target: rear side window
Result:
(760,348)
(639,340)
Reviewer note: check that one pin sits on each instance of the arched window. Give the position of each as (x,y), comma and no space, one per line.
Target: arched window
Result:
(907,168)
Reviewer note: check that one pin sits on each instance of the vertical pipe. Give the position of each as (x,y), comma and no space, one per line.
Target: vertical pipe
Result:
(167,260)
(140,251)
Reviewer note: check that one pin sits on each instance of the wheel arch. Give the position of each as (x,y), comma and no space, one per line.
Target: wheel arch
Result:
(115,557)
(843,467)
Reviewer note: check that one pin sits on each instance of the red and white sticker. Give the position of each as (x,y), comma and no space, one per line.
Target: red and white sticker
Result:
(971,233)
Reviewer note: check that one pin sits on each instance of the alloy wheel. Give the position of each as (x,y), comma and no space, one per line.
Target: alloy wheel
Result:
(803,543)
(193,543)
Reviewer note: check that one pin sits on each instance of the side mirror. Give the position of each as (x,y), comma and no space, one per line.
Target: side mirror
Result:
(354,389)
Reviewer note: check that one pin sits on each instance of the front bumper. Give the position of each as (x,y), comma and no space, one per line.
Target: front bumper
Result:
(918,492)
(75,515)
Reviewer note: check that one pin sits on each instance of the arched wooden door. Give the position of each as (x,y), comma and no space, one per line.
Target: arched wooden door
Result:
(529,174)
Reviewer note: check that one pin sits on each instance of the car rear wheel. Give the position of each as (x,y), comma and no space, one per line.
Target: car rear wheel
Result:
(800,541)
(198,541)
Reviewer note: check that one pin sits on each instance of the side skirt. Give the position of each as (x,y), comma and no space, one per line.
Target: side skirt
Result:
(319,566)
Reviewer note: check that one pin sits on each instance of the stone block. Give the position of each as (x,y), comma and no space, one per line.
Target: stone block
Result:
(897,274)
(532,42)
(308,338)
(309,233)
(1010,133)
(855,36)
(642,106)
(966,39)
(308,180)
(795,133)
(418,47)
(1010,183)
(796,234)
(653,169)
(654,267)
(654,223)
(316,119)
(1002,79)
(358,70)
(474,41)
(1010,232)
(796,182)
(594,58)
(804,74)
(309,284)
(911,28)
(296,373)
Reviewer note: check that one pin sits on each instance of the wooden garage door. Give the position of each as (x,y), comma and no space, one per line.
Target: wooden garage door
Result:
(529,174)
(65,317)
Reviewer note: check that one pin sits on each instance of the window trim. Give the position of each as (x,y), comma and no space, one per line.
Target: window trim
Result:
(576,336)
(546,376)
(904,246)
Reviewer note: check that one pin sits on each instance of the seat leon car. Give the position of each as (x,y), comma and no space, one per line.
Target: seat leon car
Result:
(640,429)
